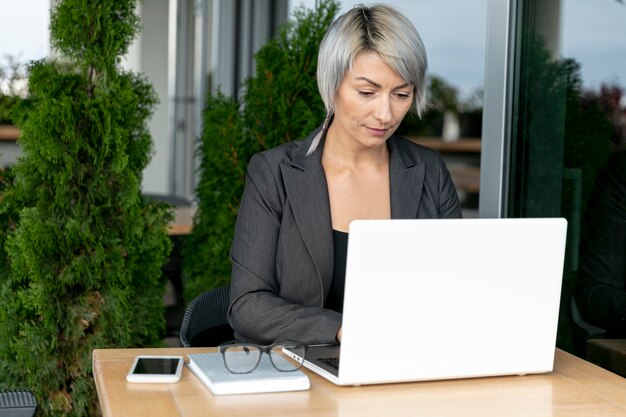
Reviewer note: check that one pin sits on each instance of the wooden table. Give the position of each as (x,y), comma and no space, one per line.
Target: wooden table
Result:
(183,221)
(9,149)
(609,354)
(575,388)
(464,145)
(9,133)
(464,168)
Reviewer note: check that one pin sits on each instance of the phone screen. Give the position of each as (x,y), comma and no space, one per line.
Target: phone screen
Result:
(158,366)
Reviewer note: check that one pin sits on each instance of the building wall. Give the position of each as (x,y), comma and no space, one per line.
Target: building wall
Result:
(149,56)
(187,49)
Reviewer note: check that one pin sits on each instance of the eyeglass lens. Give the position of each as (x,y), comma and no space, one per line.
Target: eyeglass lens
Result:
(242,359)
(284,363)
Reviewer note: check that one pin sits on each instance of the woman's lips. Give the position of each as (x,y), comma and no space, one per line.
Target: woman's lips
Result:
(377,132)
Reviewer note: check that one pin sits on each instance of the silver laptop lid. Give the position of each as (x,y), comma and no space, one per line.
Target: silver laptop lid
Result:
(439,299)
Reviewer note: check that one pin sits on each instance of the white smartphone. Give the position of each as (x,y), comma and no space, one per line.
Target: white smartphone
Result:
(155,369)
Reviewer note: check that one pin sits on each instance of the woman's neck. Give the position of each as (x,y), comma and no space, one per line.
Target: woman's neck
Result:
(347,154)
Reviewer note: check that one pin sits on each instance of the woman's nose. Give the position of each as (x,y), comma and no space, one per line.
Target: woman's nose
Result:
(383,110)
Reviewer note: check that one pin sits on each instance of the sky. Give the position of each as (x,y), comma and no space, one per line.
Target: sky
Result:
(24,29)
(593,32)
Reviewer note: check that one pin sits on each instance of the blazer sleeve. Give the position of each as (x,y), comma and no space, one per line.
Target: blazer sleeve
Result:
(257,312)
(449,204)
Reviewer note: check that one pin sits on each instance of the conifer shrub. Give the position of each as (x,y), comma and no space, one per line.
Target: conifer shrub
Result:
(7,217)
(281,103)
(86,253)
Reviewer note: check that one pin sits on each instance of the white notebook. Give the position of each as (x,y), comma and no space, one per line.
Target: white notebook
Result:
(210,369)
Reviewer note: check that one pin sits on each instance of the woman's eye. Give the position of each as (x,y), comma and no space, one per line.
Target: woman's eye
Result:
(365,93)
(403,96)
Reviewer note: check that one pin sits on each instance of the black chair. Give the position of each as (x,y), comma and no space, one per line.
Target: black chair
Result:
(17,404)
(206,319)
(583,330)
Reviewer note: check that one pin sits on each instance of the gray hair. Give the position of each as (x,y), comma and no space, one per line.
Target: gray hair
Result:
(378,28)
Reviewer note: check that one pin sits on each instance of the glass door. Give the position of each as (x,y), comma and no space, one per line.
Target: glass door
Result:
(567,127)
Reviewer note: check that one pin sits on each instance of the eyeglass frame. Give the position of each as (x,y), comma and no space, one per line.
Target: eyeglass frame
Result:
(267,349)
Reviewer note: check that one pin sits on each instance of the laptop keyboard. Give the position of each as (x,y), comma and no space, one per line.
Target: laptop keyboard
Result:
(333,362)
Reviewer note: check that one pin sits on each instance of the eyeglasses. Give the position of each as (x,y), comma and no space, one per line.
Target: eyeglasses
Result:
(243,358)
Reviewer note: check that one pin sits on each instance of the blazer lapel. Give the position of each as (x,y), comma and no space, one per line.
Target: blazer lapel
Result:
(406,178)
(307,192)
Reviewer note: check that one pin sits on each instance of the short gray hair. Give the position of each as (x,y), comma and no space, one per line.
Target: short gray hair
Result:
(377,28)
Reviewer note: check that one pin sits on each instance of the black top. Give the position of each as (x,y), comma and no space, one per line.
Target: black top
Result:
(335,295)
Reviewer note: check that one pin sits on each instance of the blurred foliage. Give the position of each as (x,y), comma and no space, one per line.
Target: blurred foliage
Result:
(8,217)
(281,104)
(13,86)
(589,127)
(6,104)
(84,250)
(557,126)
(444,96)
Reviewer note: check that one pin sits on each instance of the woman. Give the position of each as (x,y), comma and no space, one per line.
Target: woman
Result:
(289,249)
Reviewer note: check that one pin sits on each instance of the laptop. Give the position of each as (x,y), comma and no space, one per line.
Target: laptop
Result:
(446,299)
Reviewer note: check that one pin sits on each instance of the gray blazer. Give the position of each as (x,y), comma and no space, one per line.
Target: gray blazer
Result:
(282,252)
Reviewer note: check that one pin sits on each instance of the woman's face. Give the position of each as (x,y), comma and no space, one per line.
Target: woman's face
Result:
(371,102)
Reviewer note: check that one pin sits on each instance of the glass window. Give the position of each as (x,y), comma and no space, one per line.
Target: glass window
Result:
(568,146)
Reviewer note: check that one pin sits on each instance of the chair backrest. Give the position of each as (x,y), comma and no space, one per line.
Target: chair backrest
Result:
(583,330)
(17,404)
(206,319)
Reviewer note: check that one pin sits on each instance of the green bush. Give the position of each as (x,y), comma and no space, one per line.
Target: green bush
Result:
(281,104)
(86,254)
(6,103)
(12,86)
(7,218)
